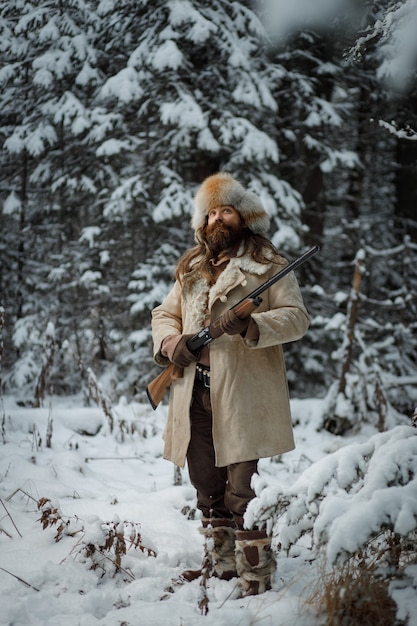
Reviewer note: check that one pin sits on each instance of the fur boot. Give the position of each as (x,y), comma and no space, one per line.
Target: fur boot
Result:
(219,551)
(255,562)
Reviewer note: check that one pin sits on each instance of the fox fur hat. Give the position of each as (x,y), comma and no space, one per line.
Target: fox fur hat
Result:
(223,190)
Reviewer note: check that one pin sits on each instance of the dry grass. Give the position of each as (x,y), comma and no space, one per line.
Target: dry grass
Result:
(357,591)
(350,596)
(116,539)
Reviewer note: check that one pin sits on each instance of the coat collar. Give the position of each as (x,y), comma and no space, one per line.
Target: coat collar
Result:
(201,296)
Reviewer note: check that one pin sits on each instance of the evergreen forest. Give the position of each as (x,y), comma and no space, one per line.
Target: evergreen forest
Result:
(114,112)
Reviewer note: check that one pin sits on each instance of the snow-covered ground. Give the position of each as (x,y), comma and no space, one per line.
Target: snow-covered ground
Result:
(97,480)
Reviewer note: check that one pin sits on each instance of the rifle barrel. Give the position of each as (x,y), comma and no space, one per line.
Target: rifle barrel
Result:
(289,268)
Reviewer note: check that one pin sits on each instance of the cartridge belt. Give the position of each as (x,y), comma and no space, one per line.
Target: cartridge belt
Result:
(202,374)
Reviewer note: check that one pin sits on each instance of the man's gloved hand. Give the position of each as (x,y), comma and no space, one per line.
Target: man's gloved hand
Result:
(231,324)
(181,356)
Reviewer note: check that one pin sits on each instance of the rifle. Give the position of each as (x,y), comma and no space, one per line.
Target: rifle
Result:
(159,385)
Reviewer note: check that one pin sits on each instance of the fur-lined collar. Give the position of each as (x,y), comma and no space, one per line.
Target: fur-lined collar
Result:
(199,296)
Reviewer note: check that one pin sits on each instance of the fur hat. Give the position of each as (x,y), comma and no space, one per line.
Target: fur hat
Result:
(221,190)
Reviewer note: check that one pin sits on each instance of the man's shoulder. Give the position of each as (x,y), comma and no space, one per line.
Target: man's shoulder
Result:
(269,256)
(261,265)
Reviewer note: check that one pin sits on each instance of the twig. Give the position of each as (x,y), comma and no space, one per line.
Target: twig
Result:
(11,519)
(119,567)
(229,596)
(21,579)
(24,492)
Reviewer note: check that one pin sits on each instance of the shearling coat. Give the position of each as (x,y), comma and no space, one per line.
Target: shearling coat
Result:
(249,391)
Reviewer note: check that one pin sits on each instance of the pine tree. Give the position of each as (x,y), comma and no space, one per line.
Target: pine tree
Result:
(49,171)
(193,87)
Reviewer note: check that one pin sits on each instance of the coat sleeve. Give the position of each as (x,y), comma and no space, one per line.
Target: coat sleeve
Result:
(166,321)
(286,318)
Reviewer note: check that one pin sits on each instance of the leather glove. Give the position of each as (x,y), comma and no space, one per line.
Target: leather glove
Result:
(231,324)
(181,357)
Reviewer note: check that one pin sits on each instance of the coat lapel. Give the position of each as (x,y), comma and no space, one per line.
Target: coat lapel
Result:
(201,297)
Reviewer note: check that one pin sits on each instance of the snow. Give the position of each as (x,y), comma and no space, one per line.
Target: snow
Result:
(207,142)
(89,277)
(12,204)
(87,75)
(89,233)
(346,157)
(49,32)
(33,140)
(113,146)
(58,62)
(351,495)
(167,56)
(401,133)
(95,479)
(184,111)
(125,85)
(398,50)
(322,113)
(185,13)
(254,144)
(246,91)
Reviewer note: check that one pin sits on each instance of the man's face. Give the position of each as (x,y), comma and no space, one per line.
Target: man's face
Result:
(226,214)
(224,228)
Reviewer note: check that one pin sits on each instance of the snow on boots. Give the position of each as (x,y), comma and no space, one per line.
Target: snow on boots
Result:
(219,550)
(255,562)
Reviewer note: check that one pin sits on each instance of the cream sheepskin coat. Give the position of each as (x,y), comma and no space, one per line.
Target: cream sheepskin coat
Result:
(249,391)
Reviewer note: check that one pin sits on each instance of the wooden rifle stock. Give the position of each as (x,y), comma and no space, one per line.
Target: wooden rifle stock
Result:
(158,387)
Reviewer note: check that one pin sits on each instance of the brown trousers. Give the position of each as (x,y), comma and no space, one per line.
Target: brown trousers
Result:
(222,492)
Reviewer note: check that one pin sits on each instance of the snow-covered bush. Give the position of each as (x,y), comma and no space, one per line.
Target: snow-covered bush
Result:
(355,511)
(347,498)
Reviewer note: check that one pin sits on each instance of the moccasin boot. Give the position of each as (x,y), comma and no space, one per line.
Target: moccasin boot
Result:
(219,550)
(255,561)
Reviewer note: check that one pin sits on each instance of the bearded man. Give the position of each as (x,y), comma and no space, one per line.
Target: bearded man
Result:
(231,406)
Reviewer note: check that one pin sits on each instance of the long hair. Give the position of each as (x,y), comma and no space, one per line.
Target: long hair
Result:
(197,259)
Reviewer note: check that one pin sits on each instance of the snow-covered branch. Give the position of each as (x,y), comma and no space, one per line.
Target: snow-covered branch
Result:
(345,499)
